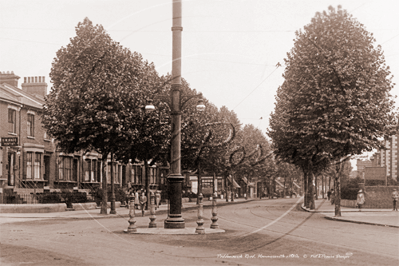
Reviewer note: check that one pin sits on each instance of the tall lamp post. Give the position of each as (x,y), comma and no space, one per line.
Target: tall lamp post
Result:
(175,219)
(175,178)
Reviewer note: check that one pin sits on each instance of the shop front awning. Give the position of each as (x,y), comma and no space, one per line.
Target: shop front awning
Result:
(295,184)
(245,180)
(278,182)
(235,185)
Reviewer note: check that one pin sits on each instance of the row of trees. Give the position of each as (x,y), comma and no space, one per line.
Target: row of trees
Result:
(97,102)
(335,101)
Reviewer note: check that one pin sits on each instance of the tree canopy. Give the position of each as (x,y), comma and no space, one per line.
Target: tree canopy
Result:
(335,100)
(97,86)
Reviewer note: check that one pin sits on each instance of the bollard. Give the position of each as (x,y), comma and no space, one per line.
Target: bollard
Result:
(200,228)
(214,218)
(132,223)
(152,211)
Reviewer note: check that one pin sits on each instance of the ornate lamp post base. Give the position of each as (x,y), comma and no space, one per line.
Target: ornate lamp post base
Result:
(175,220)
(174,223)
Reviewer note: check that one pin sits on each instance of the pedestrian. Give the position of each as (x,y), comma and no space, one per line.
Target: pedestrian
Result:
(136,199)
(395,197)
(328,195)
(360,199)
(143,202)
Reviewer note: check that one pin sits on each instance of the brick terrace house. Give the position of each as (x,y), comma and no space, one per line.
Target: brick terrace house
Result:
(27,157)
(30,160)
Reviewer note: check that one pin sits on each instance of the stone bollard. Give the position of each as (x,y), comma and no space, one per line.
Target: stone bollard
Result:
(200,228)
(132,223)
(152,211)
(214,218)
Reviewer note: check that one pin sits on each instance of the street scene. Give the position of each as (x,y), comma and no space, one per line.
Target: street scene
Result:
(258,232)
(174,132)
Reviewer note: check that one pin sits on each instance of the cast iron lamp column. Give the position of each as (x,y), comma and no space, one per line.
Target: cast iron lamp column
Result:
(175,219)
(175,178)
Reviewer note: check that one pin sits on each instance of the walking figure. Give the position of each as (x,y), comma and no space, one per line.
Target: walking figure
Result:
(360,199)
(328,195)
(143,202)
(395,197)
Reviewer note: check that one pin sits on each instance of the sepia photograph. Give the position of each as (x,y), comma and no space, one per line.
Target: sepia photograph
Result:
(199,132)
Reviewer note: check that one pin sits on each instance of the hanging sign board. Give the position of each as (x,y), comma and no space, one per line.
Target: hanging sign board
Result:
(9,141)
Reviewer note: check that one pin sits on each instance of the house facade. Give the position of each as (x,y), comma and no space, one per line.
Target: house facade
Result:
(31,162)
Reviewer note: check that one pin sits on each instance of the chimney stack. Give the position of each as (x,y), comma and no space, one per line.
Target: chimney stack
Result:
(9,78)
(35,86)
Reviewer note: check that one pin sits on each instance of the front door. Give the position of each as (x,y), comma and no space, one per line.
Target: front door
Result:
(11,169)
(47,168)
(75,169)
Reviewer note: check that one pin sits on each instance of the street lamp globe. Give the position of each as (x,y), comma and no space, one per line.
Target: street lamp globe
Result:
(149,107)
(200,106)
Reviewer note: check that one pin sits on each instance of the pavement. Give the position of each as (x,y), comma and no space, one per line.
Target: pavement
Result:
(122,211)
(379,217)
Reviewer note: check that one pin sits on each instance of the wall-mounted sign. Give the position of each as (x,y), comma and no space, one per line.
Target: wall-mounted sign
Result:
(9,141)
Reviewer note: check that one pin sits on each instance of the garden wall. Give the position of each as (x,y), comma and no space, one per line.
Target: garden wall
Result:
(379,197)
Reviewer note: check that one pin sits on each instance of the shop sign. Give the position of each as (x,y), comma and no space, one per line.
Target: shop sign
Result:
(9,141)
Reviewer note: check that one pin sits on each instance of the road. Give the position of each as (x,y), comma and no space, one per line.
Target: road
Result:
(260,232)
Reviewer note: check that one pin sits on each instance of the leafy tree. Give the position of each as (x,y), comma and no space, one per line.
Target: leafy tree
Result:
(335,100)
(151,138)
(97,88)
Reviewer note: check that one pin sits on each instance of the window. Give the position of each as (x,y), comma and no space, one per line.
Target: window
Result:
(119,175)
(136,174)
(37,165)
(65,168)
(31,125)
(61,168)
(90,170)
(68,168)
(116,172)
(29,156)
(12,115)
(152,175)
(133,176)
(33,165)
(207,183)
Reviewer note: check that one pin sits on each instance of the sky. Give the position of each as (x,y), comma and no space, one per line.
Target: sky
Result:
(230,48)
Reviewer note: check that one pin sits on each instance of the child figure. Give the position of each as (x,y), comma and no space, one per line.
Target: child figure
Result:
(143,201)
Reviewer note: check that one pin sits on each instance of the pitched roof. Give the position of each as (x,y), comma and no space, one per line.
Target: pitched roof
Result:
(13,94)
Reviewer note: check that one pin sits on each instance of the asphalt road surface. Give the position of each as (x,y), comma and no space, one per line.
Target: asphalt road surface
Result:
(260,232)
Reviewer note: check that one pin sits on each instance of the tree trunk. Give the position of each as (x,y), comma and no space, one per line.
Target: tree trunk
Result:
(285,178)
(337,190)
(113,211)
(311,191)
(306,189)
(226,186)
(322,186)
(147,183)
(316,188)
(104,187)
